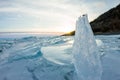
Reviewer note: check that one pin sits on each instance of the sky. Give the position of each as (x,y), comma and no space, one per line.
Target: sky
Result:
(48,15)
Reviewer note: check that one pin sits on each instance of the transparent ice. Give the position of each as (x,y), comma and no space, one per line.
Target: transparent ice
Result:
(86,57)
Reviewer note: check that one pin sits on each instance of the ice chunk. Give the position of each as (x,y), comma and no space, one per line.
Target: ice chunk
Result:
(59,54)
(86,57)
(99,43)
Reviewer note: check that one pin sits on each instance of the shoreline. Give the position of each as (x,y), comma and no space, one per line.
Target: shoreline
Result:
(109,33)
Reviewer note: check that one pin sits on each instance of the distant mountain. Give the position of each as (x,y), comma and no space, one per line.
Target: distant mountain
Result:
(107,23)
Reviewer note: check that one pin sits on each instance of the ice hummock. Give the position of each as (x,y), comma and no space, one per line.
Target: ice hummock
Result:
(86,57)
(29,58)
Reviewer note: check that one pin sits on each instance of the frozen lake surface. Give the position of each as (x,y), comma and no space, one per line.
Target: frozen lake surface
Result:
(50,57)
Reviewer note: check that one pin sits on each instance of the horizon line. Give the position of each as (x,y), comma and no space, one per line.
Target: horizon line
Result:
(31,32)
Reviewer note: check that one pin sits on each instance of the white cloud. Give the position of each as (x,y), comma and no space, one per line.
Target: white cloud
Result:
(99,4)
(53,13)
(8,9)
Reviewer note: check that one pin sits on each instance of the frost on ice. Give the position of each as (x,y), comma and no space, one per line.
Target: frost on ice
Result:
(86,57)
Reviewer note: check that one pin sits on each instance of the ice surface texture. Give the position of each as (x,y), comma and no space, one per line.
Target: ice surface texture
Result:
(86,57)
(38,58)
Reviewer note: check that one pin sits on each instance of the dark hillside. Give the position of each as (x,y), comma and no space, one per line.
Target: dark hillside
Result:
(107,23)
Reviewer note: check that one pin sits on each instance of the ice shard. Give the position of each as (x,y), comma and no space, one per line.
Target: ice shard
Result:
(86,57)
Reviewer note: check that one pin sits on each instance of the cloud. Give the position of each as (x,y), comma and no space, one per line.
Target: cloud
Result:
(61,8)
(48,13)
(99,4)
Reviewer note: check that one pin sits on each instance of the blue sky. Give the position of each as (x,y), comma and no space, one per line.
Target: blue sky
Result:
(48,15)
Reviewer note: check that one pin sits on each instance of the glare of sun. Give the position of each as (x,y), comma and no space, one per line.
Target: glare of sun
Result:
(67,29)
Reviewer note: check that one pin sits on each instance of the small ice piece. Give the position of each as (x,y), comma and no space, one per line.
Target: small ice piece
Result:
(99,43)
(86,57)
